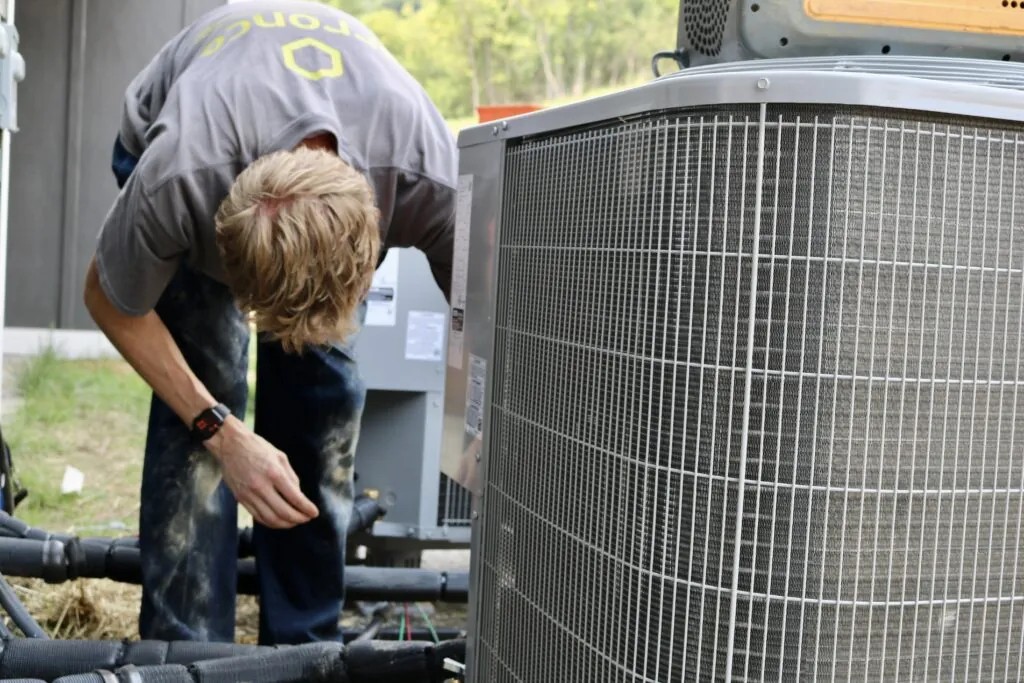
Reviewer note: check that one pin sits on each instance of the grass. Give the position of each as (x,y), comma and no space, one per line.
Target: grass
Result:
(90,415)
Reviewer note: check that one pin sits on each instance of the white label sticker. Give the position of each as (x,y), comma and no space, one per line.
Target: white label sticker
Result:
(424,336)
(475,396)
(460,267)
(382,301)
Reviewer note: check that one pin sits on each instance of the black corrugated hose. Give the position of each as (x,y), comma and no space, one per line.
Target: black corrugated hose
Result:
(56,562)
(25,551)
(141,662)
(55,558)
(365,511)
(106,661)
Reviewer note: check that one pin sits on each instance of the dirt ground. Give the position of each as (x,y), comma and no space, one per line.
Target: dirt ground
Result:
(91,416)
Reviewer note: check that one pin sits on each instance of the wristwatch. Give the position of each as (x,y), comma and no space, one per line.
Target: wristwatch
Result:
(208,422)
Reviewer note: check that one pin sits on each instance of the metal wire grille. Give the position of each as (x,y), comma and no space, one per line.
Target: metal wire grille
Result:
(454,504)
(698,474)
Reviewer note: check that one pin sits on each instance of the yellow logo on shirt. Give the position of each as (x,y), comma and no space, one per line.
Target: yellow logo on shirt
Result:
(223,33)
(337,64)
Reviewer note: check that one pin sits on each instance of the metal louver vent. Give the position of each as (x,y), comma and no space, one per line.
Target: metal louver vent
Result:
(454,504)
(756,418)
(705,23)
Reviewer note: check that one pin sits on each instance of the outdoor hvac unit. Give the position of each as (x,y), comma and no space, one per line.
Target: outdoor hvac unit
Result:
(715,31)
(401,351)
(735,369)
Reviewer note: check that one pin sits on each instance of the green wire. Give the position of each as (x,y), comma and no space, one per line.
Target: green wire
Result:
(430,626)
(401,627)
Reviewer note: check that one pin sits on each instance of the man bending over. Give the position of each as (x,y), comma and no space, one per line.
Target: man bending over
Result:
(267,157)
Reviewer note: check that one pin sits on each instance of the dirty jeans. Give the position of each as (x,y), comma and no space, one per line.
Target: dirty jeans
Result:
(309,406)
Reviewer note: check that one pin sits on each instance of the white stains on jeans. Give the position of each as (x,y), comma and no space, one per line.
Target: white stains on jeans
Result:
(197,503)
(338,451)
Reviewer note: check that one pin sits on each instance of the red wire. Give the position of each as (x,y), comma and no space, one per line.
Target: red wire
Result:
(408,622)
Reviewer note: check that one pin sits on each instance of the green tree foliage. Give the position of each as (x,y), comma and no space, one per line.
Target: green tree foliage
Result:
(472,52)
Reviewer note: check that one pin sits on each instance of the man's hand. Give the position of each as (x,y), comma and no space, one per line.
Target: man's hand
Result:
(260,476)
(257,473)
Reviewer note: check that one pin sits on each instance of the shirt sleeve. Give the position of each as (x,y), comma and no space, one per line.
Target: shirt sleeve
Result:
(424,218)
(145,95)
(142,240)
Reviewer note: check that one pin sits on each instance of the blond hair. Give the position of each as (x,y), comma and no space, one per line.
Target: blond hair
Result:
(299,237)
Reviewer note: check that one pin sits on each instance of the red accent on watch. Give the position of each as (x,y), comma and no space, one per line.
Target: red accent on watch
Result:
(209,422)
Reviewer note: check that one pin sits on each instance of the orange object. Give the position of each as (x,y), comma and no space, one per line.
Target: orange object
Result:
(493,112)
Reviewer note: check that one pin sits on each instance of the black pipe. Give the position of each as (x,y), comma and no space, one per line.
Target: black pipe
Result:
(402,662)
(417,634)
(291,665)
(372,629)
(5,633)
(50,659)
(19,615)
(362,662)
(365,511)
(56,562)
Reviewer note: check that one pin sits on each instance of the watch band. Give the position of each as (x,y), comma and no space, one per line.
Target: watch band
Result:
(209,422)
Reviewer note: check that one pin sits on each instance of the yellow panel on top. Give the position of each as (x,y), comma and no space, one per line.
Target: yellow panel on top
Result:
(1001,17)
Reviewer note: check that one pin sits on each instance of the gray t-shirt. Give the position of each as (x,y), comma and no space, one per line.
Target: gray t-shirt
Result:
(248,79)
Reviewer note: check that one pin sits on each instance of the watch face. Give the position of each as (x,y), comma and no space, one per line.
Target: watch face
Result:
(209,421)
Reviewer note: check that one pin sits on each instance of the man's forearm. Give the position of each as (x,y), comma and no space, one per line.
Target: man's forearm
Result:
(147,345)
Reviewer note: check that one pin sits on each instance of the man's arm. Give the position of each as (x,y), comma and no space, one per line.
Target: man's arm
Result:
(147,345)
(136,255)
(424,218)
(258,474)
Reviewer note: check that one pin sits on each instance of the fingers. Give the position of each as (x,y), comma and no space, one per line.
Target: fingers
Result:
(288,490)
(278,503)
(296,500)
(262,514)
(284,512)
(270,509)
(271,490)
(287,483)
(291,473)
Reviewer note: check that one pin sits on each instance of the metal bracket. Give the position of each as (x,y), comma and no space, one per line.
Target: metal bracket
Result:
(12,72)
(457,668)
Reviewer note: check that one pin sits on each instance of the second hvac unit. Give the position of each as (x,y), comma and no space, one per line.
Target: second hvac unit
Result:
(735,371)
(401,351)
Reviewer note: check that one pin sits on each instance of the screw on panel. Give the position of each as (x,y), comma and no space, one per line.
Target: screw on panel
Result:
(476,514)
(504,125)
(494,130)
(762,83)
